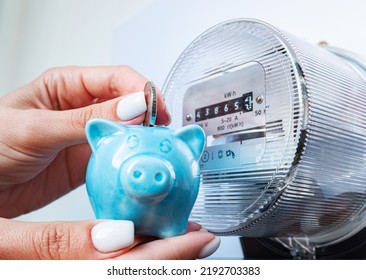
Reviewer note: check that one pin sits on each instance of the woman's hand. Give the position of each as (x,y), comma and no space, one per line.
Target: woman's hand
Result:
(44,155)
(43,150)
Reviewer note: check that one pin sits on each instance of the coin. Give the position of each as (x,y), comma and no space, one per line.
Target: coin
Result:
(152,104)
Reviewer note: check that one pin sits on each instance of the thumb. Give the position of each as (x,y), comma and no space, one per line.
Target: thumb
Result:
(64,240)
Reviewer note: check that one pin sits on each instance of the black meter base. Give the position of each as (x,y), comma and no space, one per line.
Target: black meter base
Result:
(268,249)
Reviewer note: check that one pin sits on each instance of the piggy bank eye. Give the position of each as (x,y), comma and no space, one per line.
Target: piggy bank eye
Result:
(132,141)
(165,146)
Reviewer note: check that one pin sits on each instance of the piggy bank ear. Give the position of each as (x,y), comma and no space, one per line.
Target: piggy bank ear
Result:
(96,129)
(195,138)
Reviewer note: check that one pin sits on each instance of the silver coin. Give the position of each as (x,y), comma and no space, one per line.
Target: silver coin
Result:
(152,104)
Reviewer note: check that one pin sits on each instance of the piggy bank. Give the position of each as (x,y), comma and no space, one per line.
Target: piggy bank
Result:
(149,175)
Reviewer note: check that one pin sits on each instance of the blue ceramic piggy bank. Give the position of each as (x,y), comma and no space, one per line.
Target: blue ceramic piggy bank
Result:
(149,175)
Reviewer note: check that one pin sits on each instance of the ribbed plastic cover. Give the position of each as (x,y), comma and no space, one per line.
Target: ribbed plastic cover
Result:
(309,182)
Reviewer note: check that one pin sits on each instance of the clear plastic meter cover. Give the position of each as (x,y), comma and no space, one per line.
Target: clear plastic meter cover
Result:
(286,133)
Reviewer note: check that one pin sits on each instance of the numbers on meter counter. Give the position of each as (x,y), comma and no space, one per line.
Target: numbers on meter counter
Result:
(241,104)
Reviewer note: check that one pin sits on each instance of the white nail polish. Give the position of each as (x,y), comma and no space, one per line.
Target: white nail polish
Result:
(210,248)
(113,235)
(131,105)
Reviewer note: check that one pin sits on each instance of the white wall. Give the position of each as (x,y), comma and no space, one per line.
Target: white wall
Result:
(39,34)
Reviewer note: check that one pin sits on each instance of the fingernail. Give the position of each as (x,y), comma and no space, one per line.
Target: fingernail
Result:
(113,235)
(131,105)
(210,248)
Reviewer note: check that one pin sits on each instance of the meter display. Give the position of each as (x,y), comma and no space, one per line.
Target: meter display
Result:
(232,104)
(285,123)
(238,105)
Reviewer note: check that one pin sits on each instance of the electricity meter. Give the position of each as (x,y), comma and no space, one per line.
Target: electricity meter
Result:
(285,123)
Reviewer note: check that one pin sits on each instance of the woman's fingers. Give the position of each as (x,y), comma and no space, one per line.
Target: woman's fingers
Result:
(75,87)
(64,99)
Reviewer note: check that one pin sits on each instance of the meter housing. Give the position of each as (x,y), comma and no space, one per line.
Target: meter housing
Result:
(285,123)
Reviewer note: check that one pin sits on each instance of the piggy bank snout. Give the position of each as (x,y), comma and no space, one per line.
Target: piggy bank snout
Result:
(149,177)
